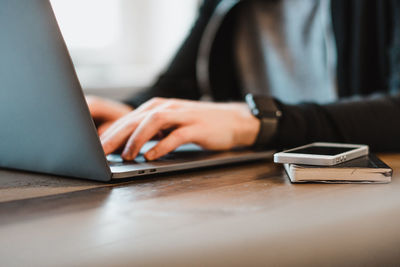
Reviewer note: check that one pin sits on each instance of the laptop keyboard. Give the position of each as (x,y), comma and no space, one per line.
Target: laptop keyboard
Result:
(185,152)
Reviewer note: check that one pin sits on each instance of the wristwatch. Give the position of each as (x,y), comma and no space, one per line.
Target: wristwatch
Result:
(264,108)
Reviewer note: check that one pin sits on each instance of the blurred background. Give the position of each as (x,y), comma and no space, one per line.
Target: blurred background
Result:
(119,46)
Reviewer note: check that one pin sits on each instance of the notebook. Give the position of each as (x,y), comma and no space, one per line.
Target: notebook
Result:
(367,169)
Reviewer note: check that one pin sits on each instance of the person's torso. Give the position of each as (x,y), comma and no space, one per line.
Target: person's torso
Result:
(286,49)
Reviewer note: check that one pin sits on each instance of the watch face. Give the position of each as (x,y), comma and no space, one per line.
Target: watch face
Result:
(267,107)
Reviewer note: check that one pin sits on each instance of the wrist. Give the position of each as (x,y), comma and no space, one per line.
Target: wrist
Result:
(246,128)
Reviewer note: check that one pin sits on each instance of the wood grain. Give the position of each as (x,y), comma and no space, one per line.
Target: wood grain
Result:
(18,185)
(243,215)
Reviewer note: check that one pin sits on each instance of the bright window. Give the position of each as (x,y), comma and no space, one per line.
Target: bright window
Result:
(123,43)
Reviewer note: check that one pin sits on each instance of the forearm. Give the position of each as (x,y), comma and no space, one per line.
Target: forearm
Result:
(374,121)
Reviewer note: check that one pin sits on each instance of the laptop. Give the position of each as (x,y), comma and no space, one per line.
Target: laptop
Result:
(45,122)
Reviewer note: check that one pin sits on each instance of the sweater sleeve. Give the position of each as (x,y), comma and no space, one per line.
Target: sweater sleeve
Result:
(179,80)
(373,120)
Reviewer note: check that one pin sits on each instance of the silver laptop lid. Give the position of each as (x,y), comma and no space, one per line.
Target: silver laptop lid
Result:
(44,119)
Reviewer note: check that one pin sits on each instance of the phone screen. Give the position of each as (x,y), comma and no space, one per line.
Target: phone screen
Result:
(322,150)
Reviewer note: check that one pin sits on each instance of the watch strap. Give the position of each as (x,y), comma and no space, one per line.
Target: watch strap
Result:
(267,132)
(267,111)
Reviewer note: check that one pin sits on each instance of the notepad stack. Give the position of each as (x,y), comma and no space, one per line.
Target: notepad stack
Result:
(368,169)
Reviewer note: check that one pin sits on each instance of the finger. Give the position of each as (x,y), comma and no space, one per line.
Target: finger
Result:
(175,139)
(152,103)
(118,133)
(104,126)
(149,127)
(105,109)
(165,103)
(115,136)
(116,126)
(136,115)
(112,110)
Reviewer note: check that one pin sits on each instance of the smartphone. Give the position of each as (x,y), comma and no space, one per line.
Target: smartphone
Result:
(321,154)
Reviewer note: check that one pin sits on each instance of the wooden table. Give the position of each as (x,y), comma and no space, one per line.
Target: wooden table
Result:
(244,215)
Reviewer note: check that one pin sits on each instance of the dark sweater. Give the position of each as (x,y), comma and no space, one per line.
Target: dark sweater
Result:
(367,39)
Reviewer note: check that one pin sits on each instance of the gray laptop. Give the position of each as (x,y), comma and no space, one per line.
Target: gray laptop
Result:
(45,124)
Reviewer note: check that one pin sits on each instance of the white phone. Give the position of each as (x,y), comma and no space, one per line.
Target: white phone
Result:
(321,154)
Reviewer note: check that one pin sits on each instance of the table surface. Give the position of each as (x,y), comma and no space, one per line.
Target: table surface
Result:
(242,215)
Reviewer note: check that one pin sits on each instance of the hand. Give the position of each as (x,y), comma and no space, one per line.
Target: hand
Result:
(212,126)
(105,111)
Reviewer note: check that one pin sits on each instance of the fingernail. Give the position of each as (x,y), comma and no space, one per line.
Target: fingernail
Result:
(150,155)
(126,154)
(105,148)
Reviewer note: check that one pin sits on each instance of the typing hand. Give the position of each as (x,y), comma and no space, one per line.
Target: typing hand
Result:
(212,126)
(105,111)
